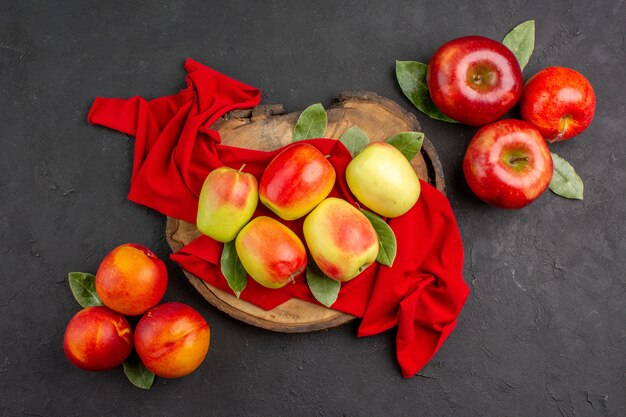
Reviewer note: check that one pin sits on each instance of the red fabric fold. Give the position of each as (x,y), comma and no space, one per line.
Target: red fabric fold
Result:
(175,148)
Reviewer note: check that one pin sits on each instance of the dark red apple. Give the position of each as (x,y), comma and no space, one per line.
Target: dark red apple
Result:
(559,102)
(508,164)
(474,80)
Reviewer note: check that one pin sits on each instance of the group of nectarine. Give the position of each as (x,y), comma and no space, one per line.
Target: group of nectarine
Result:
(171,339)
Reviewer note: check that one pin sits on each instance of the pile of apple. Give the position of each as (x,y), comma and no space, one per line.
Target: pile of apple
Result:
(341,240)
(476,80)
(171,339)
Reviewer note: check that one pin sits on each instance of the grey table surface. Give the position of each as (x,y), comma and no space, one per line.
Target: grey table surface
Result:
(543,332)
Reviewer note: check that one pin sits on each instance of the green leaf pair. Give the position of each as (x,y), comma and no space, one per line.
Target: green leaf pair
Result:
(83,287)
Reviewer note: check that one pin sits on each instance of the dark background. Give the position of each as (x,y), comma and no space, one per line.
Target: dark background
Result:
(543,332)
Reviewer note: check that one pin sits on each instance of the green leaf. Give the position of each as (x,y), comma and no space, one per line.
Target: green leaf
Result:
(311,123)
(355,140)
(83,286)
(324,289)
(387,245)
(409,143)
(232,269)
(137,373)
(411,76)
(565,181)
(521,41)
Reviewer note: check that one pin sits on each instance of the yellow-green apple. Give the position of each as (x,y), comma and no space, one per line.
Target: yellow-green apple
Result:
(97,339)
(474,80)
(342,241)
(559,102)
(227,202)
(508,164)
(131,279)
(383,179)
(296,181)
(172,340)
(270,252)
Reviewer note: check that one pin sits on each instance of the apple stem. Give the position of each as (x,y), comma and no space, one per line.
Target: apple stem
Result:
(242,167)
(327,156)
(519,159)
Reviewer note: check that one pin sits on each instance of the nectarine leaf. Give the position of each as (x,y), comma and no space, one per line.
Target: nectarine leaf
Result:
(83,286)
(324,289)
(411,76)
(355,139)
(521,41)
(137,373)
(387,245)
(409,143)
(232,269)
(311,123)
(565,181)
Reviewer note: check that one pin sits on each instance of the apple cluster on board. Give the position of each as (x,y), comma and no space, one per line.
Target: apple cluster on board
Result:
(342,240)
(170,340)
(475,80)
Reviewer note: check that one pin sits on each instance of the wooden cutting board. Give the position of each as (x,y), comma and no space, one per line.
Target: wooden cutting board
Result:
(266,127)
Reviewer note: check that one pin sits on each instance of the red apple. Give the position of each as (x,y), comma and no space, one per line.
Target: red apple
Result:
(172,340)
(474,80)
(508,164)
(296,181)
(131,279)
(559,102)
(97,339)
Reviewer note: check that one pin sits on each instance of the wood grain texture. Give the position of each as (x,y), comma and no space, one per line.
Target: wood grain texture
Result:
(266,127)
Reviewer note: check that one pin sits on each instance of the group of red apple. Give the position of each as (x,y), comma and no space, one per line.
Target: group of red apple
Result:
(171,339)
(296,183)
(476,80)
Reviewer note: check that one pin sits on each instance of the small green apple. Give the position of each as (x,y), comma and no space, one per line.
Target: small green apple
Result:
(383,179)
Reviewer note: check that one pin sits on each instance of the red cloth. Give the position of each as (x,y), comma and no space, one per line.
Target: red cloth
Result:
(175,149)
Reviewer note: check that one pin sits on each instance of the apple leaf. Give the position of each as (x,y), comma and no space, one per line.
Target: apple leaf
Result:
(232,269)
(83,286)
(355,140)
(409,143)
(521,41)
(387,245)
(565,181)
(311,123)
(324,289)
(137,373)
(411,76)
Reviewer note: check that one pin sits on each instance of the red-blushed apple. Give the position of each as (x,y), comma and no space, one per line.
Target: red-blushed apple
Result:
(342,241)
(270,252)
(296,181)
(172,340)
(508,164)
(559,102)
(131,279)
(226,203)
(383,179)
(474,80)
(97,339)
